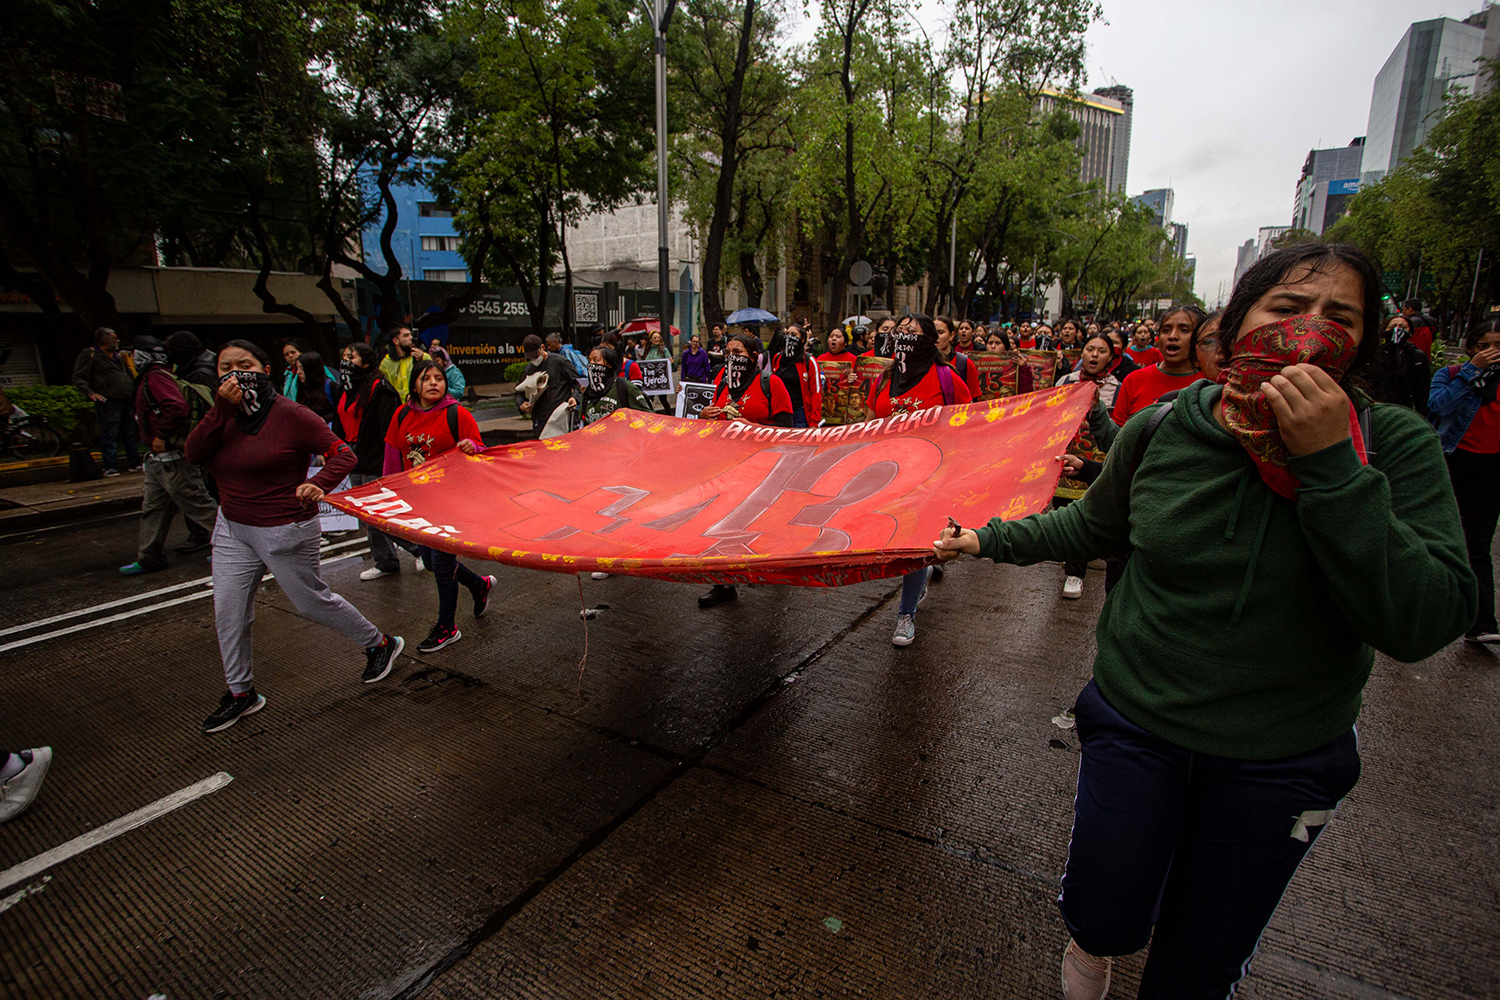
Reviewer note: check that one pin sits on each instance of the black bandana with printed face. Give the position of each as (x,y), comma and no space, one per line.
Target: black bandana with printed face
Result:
(600,378)
(257,395)
(737,369)
(791,348)
(914,353)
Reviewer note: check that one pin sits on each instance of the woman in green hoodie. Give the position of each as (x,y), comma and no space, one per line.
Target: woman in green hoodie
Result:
(1283,528)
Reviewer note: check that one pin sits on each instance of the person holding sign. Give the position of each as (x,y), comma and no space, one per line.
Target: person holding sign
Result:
(919,380)
(799,373)
(608,390)
(749,394)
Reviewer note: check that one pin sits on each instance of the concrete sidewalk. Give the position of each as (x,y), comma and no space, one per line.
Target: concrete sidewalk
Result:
(24,508)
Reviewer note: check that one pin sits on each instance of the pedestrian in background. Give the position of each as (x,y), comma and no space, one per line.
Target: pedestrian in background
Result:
(561,388)
(191,360)
(431,423)
(100,374)
(1205,345)
(166,408)
(401,354)
(258,444)
(1463,405)
(313,383)
(791,362)
(1175,370)
(1423,328)
(1401,374)
(695,362)
(290,352)
(362,416)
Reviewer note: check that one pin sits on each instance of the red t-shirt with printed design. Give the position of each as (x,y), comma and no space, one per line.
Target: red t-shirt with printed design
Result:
(927,393)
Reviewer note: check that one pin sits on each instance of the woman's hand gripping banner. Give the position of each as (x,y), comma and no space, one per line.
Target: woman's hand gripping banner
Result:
(645,494)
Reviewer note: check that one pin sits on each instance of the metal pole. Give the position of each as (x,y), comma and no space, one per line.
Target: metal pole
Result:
(953,263)
(661,16)
(1034,312)
(1474,288)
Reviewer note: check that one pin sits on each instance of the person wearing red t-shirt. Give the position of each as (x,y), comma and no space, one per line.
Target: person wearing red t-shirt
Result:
(1176,370)
(800,375)
(745,393)
(948,350)
(1464,404)
(880,347)
(838,348)
(919,380)
(1139,350)
(430,423)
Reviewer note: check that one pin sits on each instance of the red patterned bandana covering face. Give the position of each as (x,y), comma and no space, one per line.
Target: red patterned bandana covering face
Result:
(1262,353)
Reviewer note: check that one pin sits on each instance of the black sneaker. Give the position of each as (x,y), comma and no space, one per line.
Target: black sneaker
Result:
(440,637)
(482,597)
(231,707)
(194,543)
(380,659)
(719,594)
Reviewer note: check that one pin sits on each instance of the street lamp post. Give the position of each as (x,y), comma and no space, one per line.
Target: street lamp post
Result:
(660,14)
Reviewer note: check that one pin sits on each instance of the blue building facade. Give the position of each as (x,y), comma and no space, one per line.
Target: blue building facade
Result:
(425,241)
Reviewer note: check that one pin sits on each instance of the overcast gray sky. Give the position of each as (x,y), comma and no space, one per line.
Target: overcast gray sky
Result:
(1230,96)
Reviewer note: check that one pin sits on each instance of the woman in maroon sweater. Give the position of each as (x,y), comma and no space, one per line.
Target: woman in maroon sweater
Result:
(258,445)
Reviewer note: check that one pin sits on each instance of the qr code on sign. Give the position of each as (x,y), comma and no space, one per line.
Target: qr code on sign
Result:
(585,308)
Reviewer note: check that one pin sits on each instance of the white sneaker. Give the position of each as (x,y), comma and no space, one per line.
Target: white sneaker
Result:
(421,566)
(1085,977)
(373,573)
(17,791)
(598,576)
(1073,587)
(1482,637)
(906,630)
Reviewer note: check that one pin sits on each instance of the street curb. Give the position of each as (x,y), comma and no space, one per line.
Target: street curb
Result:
(17,524)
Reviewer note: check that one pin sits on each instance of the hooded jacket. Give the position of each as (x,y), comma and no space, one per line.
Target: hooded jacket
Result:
(1245,624)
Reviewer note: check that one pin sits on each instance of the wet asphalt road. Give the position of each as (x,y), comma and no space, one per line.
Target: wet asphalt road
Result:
(764,799)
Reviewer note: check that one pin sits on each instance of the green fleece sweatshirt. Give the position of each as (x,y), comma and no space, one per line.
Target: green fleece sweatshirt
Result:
(1244,622)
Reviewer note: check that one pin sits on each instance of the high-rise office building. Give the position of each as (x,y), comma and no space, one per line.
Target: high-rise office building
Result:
(1489,49)
(1159,201)
(1120,142)
(1179,240)
(1432,58)
(1247,255)
(1104,133)
(1330,177)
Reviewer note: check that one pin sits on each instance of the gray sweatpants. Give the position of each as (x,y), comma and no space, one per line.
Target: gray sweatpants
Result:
(171,485)
(290,551)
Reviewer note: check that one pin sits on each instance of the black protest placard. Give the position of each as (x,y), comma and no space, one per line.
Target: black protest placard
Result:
(656,376)
(695,396)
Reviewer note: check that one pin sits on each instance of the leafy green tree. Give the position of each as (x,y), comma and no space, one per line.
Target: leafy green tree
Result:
(731,98)
(550,130)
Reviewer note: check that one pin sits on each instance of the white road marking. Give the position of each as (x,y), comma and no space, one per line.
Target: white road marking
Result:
(145,595)
(99,834)
(135,612)
(31,890)
(104,607)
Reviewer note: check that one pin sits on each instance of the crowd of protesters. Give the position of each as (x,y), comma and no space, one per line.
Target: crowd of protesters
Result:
(1293,471)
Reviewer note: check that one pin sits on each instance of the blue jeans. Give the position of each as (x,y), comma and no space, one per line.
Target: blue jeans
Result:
(912,585)
(799,416)
(117,424)
(1199,847)
(449,573)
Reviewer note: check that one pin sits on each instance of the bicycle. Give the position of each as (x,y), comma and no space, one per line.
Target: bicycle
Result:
(28,437)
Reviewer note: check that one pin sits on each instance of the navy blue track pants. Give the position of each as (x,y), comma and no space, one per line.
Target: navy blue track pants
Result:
(1198,847)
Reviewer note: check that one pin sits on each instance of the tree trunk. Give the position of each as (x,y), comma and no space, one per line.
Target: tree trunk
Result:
(729,165)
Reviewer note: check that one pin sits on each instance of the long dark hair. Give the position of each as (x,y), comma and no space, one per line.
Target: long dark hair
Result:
(249,347)
(1471,341)
(416,375)
(310,390)
(1318,258)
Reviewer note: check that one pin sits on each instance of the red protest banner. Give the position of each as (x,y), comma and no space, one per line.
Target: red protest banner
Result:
(718,502)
